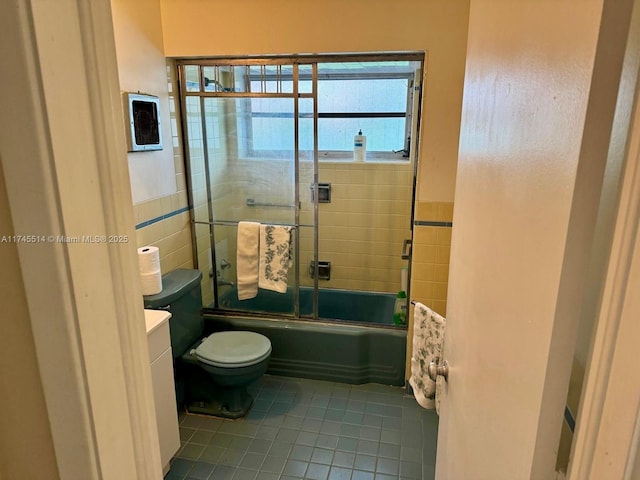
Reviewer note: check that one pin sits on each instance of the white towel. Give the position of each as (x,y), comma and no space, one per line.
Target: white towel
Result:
(428,339)
(275,257)
(247,259)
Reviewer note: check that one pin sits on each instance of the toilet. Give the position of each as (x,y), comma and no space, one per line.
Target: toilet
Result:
(212,373)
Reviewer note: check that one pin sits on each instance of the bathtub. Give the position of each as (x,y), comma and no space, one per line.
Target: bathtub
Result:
(372,350)
(334,304)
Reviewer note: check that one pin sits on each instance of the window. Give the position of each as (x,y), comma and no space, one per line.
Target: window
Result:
(375,97)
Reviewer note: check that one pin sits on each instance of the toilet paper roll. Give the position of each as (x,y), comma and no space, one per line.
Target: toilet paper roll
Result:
(149,259)
(151,282)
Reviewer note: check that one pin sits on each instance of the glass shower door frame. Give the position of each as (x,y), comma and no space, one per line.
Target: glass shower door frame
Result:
(212,221)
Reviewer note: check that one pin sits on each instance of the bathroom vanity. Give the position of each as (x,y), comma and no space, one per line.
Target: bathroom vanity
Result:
(161,359)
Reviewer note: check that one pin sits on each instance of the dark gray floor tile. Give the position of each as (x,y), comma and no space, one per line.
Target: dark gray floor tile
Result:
(339,473)
(259,445)
(273,464)
(231,457)
(273,420)
(191,421)
(307,438)
(311,425)
(411,470)
(388,450)
(301,452)
(385,476)
(190,451)
(355,406)
(392,411)
(211,424)
(173,476)
(252,461)
(292,422)
(316,412)
(347,444)
(330,427)
(314,430)
(201,471)
(369,433)
(239,428)
(316,471)
(221,440)
(392,423)
(267,432)
(411,454)
(355,418)
(295,468)
(429,471)
(267,476)
(370,420)
(391,436)
(280,407)
(327,441)
(361,475)
(186,433)
(343,459)
(338,403)
(368,447)
(365,462)
(388,466)
(201,437)
(280,449)
(211,454)
(180,466)
(322,455)
(223,472)
(243,474)
(240,443)
(287,435)
(334,415)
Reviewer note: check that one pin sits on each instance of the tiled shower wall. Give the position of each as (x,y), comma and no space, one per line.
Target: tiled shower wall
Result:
(431,251)
(362,230)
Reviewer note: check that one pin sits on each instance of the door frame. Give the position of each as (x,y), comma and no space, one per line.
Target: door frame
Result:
(607,434)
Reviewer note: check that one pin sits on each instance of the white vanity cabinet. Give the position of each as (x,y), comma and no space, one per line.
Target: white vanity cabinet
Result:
(161,359)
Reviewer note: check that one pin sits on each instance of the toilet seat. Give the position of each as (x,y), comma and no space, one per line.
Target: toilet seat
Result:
(233,349)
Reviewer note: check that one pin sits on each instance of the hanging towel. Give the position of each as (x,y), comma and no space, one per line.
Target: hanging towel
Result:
(275,257)
(428,338)
(247,259)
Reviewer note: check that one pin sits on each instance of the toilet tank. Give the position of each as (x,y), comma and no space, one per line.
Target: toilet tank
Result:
(182,297)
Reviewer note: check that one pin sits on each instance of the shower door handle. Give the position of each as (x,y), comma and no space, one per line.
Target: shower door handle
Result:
(406,249)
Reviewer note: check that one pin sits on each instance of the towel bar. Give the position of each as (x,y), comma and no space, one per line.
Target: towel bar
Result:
(252,203)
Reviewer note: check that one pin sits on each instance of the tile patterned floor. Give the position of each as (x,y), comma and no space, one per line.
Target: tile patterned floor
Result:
(310,429)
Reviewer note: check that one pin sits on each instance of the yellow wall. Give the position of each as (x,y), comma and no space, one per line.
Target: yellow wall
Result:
(157,177)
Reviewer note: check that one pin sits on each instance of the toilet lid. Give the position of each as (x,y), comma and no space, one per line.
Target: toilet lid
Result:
(233,349)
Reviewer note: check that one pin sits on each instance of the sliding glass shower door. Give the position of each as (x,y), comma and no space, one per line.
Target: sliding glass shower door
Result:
(242,134)
(272,141)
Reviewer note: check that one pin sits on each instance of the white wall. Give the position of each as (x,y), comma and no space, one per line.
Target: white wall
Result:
(142,68)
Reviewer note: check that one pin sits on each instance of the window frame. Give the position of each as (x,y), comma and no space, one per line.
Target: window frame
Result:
(333,155)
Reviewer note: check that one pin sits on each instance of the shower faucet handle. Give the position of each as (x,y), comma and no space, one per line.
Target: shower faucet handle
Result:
(224,264)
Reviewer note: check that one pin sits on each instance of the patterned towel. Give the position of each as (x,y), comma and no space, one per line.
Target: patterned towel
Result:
(247,259)
(428,338)
(275,257)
